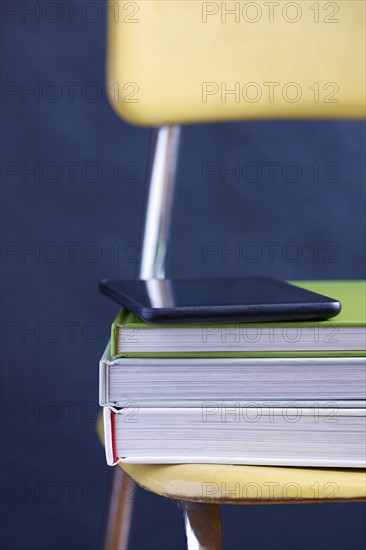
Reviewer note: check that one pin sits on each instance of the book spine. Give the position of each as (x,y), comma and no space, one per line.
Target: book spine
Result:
(114,336)
(109,436)
(103,383)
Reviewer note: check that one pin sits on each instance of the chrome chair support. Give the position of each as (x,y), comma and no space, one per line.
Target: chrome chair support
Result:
(159,203)
(202,523)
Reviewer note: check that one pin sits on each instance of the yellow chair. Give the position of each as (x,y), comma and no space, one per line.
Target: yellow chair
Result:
(199,488)
(179,61)
(174,62)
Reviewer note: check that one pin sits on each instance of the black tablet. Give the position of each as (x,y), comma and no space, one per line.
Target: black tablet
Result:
(227,300)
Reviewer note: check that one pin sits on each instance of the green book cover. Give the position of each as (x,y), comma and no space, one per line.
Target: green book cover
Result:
(350,293)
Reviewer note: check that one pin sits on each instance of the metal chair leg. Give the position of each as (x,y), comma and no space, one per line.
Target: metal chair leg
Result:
(203,526)
(119,511)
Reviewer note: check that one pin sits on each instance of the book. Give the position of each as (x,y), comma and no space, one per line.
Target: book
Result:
(344,335)
(186,381)
(305,437)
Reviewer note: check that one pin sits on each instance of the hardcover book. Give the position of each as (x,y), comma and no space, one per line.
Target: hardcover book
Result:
(307,437)
(342,336)
(186,381)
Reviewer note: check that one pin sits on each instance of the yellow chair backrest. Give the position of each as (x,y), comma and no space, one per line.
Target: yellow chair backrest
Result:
(182,61)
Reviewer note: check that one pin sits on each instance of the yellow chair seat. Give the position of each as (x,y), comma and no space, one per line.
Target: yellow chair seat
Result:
(230,484)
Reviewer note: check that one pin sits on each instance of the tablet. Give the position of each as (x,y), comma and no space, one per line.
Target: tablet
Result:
(228,300)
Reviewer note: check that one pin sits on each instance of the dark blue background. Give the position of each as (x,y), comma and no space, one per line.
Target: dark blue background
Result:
(54,451)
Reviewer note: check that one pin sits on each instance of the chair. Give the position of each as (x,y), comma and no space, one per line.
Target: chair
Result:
(199,488)
(173,62)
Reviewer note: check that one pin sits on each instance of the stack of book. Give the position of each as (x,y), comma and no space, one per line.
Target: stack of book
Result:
(285,394)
